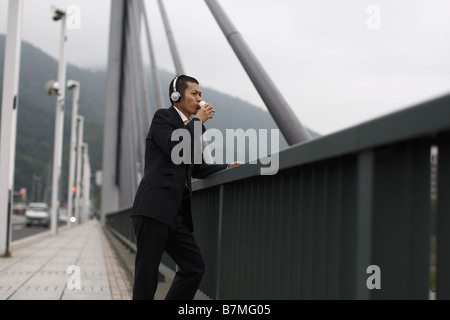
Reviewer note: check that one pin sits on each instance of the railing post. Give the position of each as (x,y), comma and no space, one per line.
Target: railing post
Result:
(225,250)
(394,215)
(364,221)
(443,220)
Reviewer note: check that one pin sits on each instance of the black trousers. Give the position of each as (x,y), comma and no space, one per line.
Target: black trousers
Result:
(152,239)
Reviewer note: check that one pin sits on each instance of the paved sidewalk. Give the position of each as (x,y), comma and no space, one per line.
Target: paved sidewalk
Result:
(48,268)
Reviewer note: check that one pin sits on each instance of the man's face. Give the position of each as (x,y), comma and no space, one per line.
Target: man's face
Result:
(192,97)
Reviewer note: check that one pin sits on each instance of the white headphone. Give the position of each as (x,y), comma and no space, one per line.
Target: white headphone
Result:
(175,96)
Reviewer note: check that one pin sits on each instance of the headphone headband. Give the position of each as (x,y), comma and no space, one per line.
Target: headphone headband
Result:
(175,96)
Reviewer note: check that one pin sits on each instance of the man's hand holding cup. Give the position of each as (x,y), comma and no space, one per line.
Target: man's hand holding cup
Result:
(205,111)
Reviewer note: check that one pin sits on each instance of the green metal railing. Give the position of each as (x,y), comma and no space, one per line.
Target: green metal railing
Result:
(338,205)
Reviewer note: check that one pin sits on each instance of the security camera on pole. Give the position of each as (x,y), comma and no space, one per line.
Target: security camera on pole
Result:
(59,89)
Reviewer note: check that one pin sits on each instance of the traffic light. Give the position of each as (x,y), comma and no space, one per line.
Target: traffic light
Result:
(74,189)
(23,194)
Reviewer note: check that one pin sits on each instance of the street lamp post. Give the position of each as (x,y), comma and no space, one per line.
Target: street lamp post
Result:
(86,182)
(9,120)
(59,122)
(72,85)
(80,120)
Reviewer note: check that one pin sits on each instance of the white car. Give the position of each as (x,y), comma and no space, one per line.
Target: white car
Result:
(37,214)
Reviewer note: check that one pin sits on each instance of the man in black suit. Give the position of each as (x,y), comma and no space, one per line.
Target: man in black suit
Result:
(162,210)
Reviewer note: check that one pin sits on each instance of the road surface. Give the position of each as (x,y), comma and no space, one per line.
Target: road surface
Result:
(20,230)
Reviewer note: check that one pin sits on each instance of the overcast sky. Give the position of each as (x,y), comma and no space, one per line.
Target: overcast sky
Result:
(333,68)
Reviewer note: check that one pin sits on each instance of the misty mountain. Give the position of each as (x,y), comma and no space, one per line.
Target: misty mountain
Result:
(36,117)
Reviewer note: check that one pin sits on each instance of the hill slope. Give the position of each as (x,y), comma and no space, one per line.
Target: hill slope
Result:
(36,118)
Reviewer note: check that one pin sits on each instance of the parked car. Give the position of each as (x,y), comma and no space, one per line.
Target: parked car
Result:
(19,208)
(37,214)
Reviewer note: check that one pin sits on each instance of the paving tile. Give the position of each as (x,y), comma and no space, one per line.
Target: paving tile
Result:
(39,270)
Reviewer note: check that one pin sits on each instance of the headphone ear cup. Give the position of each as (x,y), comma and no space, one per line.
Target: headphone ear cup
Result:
(175,96)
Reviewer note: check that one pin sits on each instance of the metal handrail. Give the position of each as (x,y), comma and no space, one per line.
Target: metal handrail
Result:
(338,206)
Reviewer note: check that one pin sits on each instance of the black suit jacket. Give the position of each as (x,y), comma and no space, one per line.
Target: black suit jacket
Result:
(160,191)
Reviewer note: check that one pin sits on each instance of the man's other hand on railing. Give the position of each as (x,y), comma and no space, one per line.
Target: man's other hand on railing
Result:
(234,164)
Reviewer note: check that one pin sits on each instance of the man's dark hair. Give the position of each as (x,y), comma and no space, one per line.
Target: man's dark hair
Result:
(182,85)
